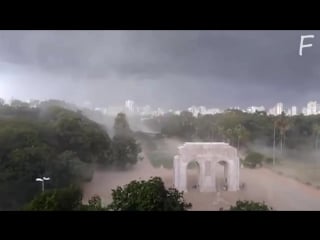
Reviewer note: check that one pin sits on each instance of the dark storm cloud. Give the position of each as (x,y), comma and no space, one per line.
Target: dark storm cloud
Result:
(162,68)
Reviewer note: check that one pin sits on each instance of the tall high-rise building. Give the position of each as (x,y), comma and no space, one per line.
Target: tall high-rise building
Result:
(194,110)
(312,108)
(293,110)
(289,112)
(202,110)
(130,105)
(304,111)
(272,111)
(254,109)
(279,108)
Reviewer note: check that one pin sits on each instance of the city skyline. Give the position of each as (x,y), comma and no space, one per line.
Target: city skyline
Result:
(311,108)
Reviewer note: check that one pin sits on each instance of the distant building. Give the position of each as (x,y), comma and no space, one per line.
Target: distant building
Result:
(87,104)
(294,111)
(279,108)
(254,109)
(213,111)
(272,111)
(312,108)
(146,110)
(129,104)
(289,112)
(276,110)
(113,110)
(194,110)
(158,112)
(304,111)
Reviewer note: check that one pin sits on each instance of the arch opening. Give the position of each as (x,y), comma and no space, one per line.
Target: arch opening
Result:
(193,176)
(222,175)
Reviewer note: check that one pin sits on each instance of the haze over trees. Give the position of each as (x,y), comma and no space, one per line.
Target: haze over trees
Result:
(241,129)
(124,146)
(143,195)
(55,140)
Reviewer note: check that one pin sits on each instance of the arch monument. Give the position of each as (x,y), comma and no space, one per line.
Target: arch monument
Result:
(207,155)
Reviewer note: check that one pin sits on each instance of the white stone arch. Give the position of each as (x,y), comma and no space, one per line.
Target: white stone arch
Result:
(207,155)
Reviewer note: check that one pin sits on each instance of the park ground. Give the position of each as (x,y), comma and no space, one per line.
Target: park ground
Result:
(263,185)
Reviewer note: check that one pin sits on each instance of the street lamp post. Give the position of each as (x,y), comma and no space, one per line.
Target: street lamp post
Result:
(274,144)
(42,181)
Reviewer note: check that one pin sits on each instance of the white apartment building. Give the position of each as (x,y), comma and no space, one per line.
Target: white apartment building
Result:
(294,111)
(279,108)
(194,110)
(129,104)
(254,109)
(311,108)
(304,111)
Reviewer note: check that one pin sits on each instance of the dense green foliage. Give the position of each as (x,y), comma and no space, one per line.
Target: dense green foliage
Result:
(250,206)
(148,195)
(66,199)
(242,129)
(57,200)
(55,140)
(253,159)
(125,148)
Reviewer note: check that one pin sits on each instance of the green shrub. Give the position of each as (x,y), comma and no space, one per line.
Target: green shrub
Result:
(250,206)
(269,160)
(253,159)
(158,158)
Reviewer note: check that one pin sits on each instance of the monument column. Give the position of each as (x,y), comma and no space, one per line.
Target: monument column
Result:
(183,175)
(176,172)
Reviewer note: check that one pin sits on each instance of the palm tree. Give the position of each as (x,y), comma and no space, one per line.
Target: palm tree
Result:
(241,134)
(229,135)
(283,126)
(316,132)
(220,131)
(274,141)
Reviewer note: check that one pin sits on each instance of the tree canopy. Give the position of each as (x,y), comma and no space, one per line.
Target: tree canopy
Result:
(148,195)
(241,129)
(250,206)
(65,199)
(53,140)
(125,147)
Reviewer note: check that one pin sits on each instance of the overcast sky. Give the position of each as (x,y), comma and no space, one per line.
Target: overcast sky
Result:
(169,69)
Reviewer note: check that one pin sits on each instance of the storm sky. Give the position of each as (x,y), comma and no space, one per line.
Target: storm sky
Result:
(169,69)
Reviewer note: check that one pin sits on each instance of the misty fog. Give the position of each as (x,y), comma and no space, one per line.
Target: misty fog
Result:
(62,93)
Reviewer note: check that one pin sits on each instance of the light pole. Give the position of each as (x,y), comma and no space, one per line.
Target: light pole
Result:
(274,144)
(42,181)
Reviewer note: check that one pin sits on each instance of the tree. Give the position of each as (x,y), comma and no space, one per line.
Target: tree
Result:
(188,128)
(51,141)
(67,199)
(229,134)
(253,159)
(250,206)
(148,195)
(2,102)
(283,125)
(121,126)
(241,134)
(125,149)
(316,132)
(94,204)
(19,104)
